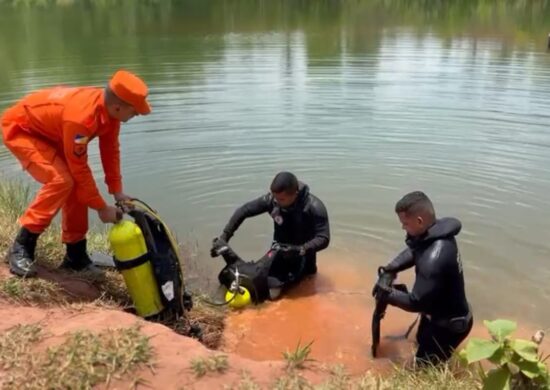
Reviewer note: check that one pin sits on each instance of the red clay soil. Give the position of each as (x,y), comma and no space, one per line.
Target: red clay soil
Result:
(333,309)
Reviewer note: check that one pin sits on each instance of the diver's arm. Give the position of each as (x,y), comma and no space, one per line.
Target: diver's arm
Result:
(428,283)
(415,300)
(401,262)
(251,209)
(322,229)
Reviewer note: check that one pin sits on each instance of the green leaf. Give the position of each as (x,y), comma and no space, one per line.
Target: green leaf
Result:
(498,379)
(530,369)
(479,349)
(526,349)
(542,368)
(513,368)
(500,329)
(500,357)
(463,357)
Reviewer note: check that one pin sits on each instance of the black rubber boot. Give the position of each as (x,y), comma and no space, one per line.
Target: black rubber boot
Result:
(77,259)
(21,254)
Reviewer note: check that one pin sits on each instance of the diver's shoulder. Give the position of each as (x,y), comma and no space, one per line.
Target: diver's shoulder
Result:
(440,253)
(315,204)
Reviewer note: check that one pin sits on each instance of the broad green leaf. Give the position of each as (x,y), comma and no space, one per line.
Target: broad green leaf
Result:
(530,369)
(500,357)
(497,379)
(526,349)
(500,328)
(479,349)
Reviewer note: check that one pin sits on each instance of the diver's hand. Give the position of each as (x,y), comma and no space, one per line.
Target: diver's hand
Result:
(378,287)
(121,197)
(297,250)
(219,245)
(110,214)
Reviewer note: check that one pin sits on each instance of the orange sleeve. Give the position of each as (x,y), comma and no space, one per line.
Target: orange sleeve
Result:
(110,159)
(75,148)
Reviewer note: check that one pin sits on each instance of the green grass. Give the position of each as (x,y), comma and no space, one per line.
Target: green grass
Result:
(203,365)
(15,195)
(436,378)
(88,354)
(81,361)
(292,381)
(298,357)
(245,383)
(443,377)
(15,346)
(32,291)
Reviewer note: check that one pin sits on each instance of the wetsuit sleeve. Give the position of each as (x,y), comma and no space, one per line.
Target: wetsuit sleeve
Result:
(429,280)
(321,226)
(401,262)
(75,149)
(110,159)
(251,209)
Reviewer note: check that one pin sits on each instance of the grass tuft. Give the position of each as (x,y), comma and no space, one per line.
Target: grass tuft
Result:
(15,195)
(246,383)
(215,363)
(82,361)
(292,381)
(298,357)
(32,291)
(15,345)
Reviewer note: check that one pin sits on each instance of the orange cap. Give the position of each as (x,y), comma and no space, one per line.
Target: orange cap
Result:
(131,89)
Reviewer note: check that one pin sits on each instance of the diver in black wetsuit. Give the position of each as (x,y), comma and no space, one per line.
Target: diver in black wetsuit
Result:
(301,226)
(438,293)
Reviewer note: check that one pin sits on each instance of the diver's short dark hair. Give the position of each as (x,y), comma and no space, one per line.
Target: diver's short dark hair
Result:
(415,203)
(284,182)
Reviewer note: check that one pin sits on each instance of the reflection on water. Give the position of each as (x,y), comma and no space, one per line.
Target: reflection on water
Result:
(364,100)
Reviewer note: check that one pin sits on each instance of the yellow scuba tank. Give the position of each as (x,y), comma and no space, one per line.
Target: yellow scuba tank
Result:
(237,296)
(130,253)
(238,299)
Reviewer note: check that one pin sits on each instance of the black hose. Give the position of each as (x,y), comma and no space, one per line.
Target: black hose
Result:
(207,301)
(234,295)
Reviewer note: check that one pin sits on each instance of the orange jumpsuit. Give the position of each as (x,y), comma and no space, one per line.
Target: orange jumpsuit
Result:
(49,131)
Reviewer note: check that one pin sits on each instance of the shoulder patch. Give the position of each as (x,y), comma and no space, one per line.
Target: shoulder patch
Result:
(80,145)
(81,139)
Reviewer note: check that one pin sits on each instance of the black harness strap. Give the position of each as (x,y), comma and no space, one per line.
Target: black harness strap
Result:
(129,264)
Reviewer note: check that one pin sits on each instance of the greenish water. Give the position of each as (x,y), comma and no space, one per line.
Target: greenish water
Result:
(364,100)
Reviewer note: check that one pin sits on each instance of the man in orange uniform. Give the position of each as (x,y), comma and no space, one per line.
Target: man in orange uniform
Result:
(49,131)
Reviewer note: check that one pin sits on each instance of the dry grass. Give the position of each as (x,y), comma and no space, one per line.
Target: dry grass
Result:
(246,383)
(82,361)
(292,381)
(111,284)
(15,195)
(15,346)
(445,377)
(211,321)
(203,365)
(32,292)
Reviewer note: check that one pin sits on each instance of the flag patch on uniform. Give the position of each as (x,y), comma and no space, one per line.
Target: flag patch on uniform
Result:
(80,139)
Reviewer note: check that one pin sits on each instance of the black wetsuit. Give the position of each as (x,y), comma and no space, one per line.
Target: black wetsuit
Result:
(438,292)
(304,224)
